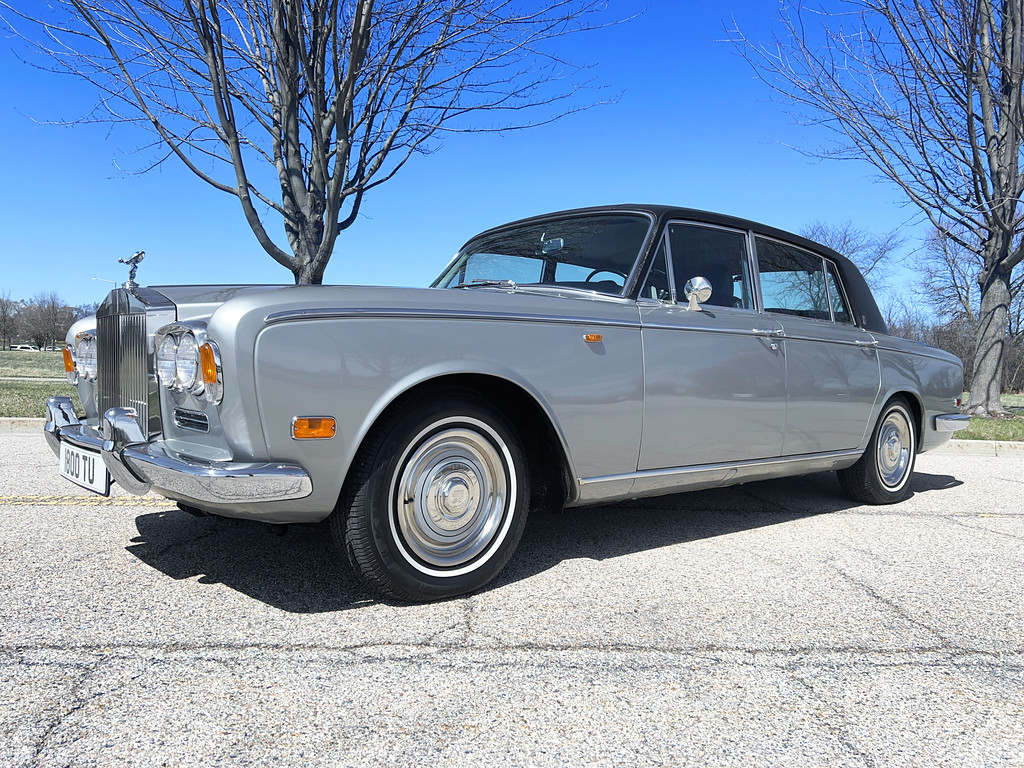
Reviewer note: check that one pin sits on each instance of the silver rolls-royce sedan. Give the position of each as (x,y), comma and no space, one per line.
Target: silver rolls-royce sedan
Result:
(574,358)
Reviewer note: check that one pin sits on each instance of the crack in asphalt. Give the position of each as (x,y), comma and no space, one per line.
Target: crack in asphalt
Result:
(946,655)
(79,701)
(835,724)
(985,530)
(59,717)
(892,605)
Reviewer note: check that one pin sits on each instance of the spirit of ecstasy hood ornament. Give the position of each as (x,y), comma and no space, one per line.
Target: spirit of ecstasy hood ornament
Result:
(133,262)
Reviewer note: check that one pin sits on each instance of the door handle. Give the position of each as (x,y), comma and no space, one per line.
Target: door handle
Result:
(769,332)
(866,344)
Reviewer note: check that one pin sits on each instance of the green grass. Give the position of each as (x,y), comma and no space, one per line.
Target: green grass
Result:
(1011,430)
(27,399)
(42,365)
(1012,401)
(993,429)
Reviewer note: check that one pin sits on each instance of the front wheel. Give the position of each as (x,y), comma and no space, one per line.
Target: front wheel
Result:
(436,501)
(882,474)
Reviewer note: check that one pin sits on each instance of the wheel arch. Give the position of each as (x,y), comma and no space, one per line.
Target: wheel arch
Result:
(916,409)
(546,451)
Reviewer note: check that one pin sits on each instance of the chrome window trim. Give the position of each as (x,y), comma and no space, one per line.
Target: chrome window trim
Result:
(842,290)
(670,267)
(825,264)
(647,300)
(630,281)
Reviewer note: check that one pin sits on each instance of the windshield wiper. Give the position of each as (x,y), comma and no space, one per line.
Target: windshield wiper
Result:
(487,283)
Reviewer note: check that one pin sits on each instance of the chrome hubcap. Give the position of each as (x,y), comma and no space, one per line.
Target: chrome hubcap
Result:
(451,495)
(895,447)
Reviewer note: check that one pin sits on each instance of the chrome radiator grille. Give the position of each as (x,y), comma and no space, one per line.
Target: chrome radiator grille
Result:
(123,378)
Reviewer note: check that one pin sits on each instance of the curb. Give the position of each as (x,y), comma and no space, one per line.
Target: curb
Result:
(999,448)
(9,426)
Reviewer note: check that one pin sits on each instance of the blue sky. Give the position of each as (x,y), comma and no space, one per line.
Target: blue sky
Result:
(692,127)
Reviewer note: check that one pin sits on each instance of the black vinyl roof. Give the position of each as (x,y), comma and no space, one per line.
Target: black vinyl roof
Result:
(865,309)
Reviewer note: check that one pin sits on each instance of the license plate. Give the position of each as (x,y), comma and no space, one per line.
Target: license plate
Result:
(85,468)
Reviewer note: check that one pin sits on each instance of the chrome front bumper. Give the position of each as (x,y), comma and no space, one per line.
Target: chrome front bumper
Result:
(139,466)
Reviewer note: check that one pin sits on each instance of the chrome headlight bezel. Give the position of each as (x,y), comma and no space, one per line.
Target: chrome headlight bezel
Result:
(164,357)
(184,340)
(84,355)
(186,364)
(178,358)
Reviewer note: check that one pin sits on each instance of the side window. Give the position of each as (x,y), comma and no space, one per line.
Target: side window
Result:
(840,310)
(656,285)
(720,255)
(792,280)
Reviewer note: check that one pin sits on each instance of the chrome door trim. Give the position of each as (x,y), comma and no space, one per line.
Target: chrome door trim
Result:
(647,326)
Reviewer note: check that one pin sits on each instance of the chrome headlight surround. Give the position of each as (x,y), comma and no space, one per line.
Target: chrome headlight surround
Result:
(70,364)
(84,356)
(186,361)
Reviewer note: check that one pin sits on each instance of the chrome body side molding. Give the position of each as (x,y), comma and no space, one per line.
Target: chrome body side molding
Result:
(671,479)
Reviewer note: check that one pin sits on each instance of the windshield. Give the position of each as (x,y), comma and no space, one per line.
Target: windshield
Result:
(591,252)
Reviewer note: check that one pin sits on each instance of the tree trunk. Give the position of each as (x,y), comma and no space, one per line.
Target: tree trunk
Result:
(987,383)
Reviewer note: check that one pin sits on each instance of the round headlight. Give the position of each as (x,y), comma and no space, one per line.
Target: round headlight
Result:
(85,356)
(186,362)
(165,361)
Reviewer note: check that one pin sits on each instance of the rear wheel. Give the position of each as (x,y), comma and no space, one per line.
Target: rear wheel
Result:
(882,474)
(436,501)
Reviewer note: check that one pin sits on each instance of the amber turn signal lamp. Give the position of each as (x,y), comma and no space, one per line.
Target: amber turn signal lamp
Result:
(208,364)
(314,427)
(593,338)
(69,361)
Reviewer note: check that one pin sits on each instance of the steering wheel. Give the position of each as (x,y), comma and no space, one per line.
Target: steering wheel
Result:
(602,270)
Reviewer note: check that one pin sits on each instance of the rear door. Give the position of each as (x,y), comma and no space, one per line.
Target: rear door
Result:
(832,371)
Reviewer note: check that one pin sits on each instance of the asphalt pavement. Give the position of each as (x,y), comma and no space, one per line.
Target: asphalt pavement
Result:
(771,624)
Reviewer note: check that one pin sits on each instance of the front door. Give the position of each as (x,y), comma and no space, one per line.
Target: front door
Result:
(714,377)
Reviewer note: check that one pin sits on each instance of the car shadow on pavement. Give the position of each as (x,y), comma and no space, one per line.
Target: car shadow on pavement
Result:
(299,572)
(302,572)
(613,530)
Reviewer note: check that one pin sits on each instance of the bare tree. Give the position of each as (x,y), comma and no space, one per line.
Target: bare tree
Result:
(84,310)
(8,319)
(949,278)
(46,319)
(332,97)
(950,285)
(929,92)
(869,251)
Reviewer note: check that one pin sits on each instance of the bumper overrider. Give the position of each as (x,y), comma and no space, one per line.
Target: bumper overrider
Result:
(139,466)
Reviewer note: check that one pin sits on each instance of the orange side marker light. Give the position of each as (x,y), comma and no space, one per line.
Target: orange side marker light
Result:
(314,427)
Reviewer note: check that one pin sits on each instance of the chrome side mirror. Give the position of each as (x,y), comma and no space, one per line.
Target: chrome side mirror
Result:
(697,289)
